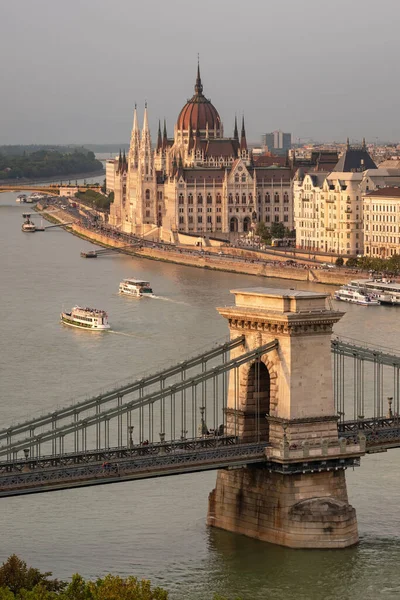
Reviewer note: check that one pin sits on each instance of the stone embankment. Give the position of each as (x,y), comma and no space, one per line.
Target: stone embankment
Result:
(256,265)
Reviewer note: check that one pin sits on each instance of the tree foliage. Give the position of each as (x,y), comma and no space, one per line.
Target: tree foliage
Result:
(16,575)
(95,199)
(339,262)
(47,163)
(20,582)
(389,266)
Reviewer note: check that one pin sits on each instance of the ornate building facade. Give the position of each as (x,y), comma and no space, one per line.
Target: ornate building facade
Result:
(199,181)
(328,205)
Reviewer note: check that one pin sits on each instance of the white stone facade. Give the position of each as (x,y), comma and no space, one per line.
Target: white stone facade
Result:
(199,182)
(328,208)
(382,223)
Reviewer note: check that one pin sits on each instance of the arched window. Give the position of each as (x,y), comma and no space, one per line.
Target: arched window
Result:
(230,199)
(218,198)
(190,199)
(259,198)
(181,201)
(199,199)
(236,198)
(276,198)
(243,178)
(209,199)
(267,198)
(246,224)
(285,198)
(244,199)
(237,178)
(251,198)
(147,194)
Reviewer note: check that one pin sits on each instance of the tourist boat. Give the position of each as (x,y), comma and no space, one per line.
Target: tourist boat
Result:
(35,196)
(86,318)
(135,287)
(89,254)
(21,198)
(383,290)
(348,294)
(27,225)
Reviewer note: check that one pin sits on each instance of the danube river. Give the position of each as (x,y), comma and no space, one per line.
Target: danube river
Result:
(156,528)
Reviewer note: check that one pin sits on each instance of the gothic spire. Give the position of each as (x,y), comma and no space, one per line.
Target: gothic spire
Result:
(243,142)
(146,154)
(159,138)
(165,138)
(364,145)
(348,144)
(235,131)
(145,122)
(198,88)
(135,141)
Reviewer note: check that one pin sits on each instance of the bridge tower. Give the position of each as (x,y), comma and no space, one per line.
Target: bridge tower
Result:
(298,498)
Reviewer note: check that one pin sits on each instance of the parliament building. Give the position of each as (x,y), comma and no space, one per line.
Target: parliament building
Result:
(198,182)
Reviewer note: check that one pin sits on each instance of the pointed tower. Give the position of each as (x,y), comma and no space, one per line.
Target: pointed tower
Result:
(165,138)
(243,142)
(159,138)
(235,131)
(145,153)
(135,142)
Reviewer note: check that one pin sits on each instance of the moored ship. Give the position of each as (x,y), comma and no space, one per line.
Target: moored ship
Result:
(86,318)
(28,226)
(21,198)
(348,294)
(135,287)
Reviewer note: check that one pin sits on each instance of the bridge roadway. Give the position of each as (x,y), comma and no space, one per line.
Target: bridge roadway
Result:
(95,467)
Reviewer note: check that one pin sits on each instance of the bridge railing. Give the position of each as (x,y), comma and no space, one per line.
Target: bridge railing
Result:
(193,406)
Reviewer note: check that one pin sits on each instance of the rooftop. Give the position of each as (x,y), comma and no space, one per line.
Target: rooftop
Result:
(279,292)
(387,192)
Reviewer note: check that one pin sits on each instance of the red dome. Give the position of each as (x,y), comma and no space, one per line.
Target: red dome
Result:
(198,112)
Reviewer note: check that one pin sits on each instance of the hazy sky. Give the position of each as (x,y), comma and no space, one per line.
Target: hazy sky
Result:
(321,69)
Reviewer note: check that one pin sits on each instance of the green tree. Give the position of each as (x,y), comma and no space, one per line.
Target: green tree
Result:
(16,575)
(352,262)
(339,262)
(263,232)
(277,230)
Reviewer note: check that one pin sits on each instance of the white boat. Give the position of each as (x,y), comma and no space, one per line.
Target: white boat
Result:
(35,196)
(21,198)
(348,294)
(135,287)
(383,290)
(86,318)
(27,225)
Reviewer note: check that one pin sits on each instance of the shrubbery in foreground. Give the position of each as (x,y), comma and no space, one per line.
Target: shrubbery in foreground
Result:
(20,582)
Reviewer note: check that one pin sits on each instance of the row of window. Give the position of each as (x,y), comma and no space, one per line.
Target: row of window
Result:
(199,219)
(243,197)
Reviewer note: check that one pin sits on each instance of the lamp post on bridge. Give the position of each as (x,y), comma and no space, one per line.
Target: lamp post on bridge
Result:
(130,429)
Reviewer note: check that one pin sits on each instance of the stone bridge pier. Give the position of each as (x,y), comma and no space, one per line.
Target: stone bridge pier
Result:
(298,497)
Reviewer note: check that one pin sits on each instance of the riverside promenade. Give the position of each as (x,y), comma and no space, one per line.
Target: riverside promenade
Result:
(228,259)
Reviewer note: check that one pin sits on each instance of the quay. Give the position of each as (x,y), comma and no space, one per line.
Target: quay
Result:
(228,259)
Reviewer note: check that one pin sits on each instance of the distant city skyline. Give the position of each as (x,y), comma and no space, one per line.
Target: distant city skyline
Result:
(73,76)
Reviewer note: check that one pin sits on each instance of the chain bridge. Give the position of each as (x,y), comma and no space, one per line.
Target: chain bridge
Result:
(220,410)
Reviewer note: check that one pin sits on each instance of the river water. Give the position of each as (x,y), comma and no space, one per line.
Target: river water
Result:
(156,528)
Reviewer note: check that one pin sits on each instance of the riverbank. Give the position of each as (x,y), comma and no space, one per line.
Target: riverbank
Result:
(238,260)
(14,183)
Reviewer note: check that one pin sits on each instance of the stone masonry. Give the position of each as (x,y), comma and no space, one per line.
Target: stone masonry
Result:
(298,498)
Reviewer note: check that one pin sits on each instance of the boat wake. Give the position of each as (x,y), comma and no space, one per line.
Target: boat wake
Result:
(169,300)
(133,335)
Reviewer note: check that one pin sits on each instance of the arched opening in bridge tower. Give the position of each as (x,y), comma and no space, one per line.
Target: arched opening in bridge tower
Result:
(258,397)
